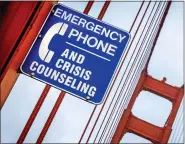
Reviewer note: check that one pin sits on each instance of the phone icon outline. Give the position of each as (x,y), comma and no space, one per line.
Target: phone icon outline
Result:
(45,53)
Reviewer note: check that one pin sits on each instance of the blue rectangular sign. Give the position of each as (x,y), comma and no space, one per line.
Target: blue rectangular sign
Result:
(76,53)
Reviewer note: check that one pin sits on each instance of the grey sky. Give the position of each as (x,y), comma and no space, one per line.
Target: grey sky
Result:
(73,114)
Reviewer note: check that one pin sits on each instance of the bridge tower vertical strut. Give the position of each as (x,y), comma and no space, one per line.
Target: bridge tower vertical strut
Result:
(130,123)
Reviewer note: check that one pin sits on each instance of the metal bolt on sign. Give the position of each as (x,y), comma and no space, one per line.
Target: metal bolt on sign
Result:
(53,11)
(40,36)
(32,74)
(88,98)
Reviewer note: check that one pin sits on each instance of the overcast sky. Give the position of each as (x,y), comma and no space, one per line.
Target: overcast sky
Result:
(73,114)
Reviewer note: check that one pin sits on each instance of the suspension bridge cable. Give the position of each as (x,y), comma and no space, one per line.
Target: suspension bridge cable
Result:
(161,24)
(157,20)
(128,86)
(117,122)
(179,129)
(175,132)
(118,115)
(100,17)
(117,89)
(175,123)
(113,80)
(125,97)
(112,84)
(180,134)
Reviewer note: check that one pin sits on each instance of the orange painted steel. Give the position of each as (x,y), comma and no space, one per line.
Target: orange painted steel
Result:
(159,88)
(11,73)
(103,10)
(130,123)
(15,19)
(88,7)
(33,114)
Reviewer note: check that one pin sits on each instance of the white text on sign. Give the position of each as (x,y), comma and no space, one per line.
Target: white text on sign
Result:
(91,41)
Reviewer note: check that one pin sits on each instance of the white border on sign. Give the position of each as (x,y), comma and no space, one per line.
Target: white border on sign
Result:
(114,73)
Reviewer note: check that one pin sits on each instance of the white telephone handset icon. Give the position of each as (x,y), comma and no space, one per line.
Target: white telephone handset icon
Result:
(44,53)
